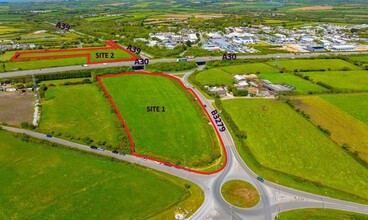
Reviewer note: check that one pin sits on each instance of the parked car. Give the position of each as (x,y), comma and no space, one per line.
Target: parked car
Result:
(122,153)
(49,135)
(101,149)
(260,179)
(115,151)
(93,147)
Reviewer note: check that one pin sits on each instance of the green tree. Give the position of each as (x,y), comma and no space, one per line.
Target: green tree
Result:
(188,43)
(94,76)
(19,85)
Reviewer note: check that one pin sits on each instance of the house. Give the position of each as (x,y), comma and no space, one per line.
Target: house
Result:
(252,91)
(253,84)
(239,78)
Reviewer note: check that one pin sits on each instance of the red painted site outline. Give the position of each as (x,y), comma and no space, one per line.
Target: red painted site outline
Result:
(130,135)
(111,45)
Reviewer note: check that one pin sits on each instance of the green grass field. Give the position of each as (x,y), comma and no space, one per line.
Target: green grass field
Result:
(215,76)
(314,64)
(344,128)
(342,80)
(354,104)
(45,63)
(280,139)
(240,193)
(38,181)
(181,134)
(78,112)
(117,54)
(301,85)
(363,59)
(38,64)
(224,75)
(320,214)
(7,55)
(249,68)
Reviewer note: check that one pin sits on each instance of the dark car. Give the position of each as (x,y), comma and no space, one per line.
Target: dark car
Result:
(115,152)
(260,179)
(49,135)
(122,153)
(93,147)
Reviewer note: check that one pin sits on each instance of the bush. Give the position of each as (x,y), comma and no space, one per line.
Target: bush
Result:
(82,73)
(26,125)
(324,130)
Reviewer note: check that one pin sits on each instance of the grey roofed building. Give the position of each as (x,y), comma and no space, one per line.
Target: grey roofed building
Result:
(218,90)
(279,88)
(315,48)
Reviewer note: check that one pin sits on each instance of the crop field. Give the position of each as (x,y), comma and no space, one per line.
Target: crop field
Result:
(282,140)
(8,29)
(354,104)
(114,52)
(342,80)
(224,75)
(38,181)
(344,128)
(303,214)
(301,85)
(16,108)
(179,132)
(314,64)
(77,117)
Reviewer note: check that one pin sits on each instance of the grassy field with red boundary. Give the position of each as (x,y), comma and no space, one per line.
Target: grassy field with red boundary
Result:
(79,52)
(130,135)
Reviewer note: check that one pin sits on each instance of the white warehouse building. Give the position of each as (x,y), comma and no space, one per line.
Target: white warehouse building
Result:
(342,47)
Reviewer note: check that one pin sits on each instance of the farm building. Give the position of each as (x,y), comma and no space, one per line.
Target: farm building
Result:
(279,88)
(218,90)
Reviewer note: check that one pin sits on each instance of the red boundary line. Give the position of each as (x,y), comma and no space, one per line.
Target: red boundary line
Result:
(130,135)
(111,46)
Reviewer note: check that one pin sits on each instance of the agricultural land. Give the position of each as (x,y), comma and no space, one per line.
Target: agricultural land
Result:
(86,184)
(178,131)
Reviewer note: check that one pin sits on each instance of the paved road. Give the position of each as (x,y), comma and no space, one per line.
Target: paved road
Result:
(198,59)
